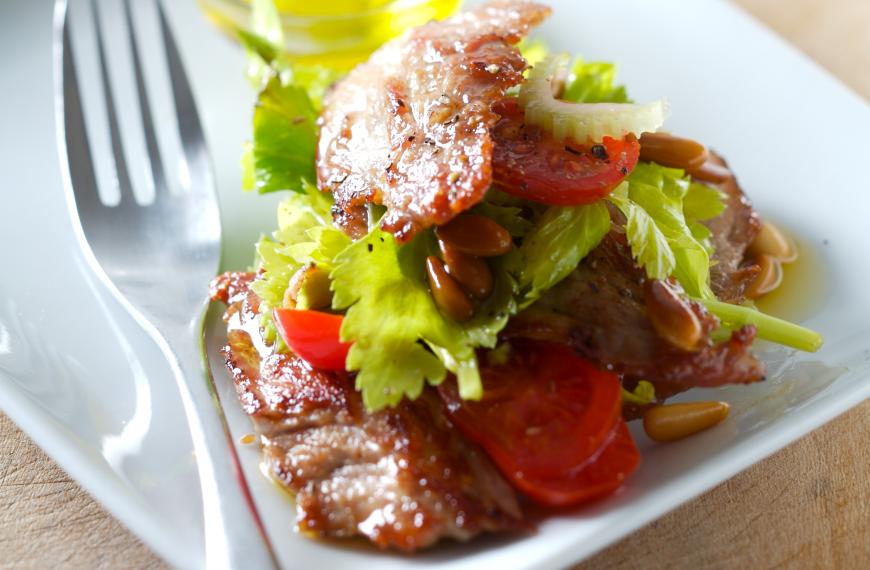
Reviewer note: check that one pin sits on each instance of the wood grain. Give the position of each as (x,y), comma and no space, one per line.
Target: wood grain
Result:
(808,506)
(48,521)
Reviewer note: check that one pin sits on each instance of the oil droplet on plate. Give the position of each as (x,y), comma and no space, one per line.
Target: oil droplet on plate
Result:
(803,290)
(247,439)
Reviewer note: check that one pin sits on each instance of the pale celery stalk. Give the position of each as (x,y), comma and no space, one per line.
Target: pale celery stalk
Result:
(769,328)
(582,121)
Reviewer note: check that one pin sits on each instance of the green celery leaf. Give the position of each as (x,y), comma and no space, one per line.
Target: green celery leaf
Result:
(559,240)
(648,244)
(560,237)
(390,312)
(701,233)
(326,243)
(301,216)
(261,54)
(263,42)
(297,215)
(302,211)
(285,139)
(279,268)
(593,83)
(662,241)
(703,202)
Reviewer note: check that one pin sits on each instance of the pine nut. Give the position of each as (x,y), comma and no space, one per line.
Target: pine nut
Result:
(668,150)
(476,235)
(771,241)
(448,295)
(472,272)
(676,421)
(308,289)
(768,279)
(710,172)
(672,316)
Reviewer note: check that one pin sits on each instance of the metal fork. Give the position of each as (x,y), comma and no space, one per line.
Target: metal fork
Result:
(157,259)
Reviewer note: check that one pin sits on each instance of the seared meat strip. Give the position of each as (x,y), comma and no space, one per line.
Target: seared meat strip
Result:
(403,477)
(409,129)
(733,231)
(601,311)
(604,313)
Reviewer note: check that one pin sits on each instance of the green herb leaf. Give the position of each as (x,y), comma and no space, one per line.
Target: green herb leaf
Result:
(648,244)
(703,202)
(661,240)
(278,255)
(553,248)
(285,138)
(593,83)
(391,315)
(263,43)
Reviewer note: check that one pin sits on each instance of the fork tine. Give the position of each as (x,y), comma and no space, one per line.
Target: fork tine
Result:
(160,187)
(124,185)
(189,127)
(85,191)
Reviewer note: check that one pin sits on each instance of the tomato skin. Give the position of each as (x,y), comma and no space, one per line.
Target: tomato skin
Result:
(599,477)
(313,336)
(544,414)
(529,163)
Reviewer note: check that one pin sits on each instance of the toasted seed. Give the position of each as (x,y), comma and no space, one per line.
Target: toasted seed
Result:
(771,241)
(476,235)
(472,272)
(768,279)
(448,295)
(308,289)
(675,421)
(710,172)
(672,316)
(294,285)
(676,152)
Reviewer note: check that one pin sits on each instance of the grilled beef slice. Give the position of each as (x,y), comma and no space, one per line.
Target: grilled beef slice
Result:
(409,128)
(404,477)
(602,312)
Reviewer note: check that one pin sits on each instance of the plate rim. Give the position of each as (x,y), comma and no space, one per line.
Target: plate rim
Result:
(108,490)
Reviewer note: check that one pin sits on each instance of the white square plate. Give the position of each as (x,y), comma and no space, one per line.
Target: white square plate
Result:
(79,376)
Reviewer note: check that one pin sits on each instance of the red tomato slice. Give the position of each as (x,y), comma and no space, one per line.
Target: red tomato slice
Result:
(544,412)
(313,336)
(602,474)
(529,163)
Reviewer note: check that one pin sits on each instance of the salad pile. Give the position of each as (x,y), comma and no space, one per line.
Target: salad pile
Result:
(401,305)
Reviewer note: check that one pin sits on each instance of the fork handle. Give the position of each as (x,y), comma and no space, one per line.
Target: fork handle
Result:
(235,538)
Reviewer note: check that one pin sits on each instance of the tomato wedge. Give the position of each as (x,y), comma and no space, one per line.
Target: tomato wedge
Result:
(529,163)
(600,476)
(313,336)
(550,421)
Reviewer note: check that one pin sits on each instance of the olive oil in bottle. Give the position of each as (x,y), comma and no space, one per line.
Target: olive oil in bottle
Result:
(336,33)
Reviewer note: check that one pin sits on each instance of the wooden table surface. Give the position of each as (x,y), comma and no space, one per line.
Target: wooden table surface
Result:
(808,506)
